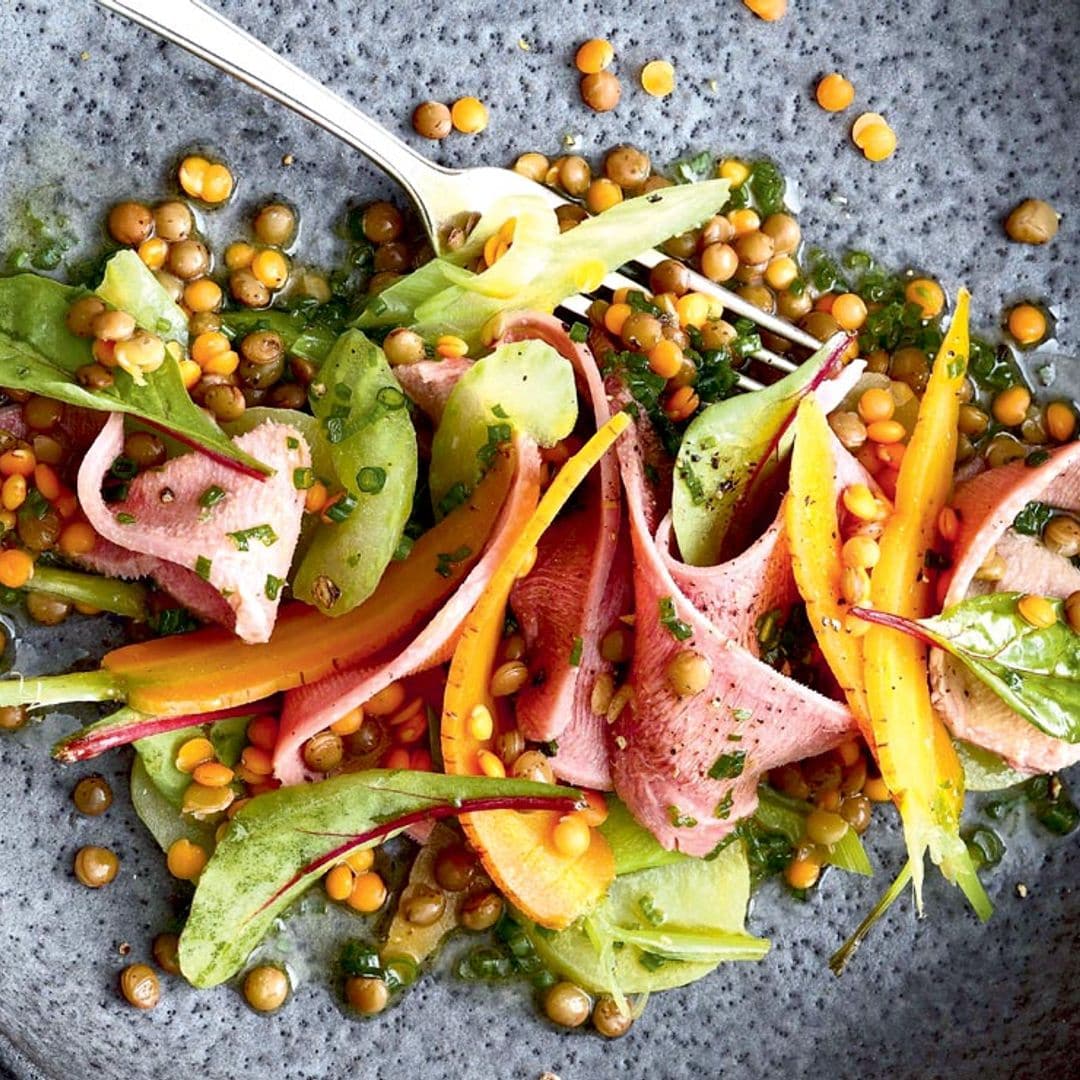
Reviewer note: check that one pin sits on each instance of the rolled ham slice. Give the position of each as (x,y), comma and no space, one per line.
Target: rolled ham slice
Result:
(428,382)
(987,505)
(313,708)
(749,718)
(241,545)
(575,593)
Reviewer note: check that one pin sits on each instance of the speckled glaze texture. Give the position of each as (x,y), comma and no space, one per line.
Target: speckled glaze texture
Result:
(984,96)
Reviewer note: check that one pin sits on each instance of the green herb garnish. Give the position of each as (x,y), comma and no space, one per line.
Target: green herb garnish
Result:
(263,533)
(678,629)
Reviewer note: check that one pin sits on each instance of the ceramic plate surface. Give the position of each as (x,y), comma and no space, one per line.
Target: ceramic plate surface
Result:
(984,97)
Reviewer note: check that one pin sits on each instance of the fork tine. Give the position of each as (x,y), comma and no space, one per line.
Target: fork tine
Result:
(578,306)
(781,363)
(734,302)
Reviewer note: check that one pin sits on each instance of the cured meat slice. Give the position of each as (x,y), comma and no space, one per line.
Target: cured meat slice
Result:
(688,766)
(183,585)
(428,382)
(987,505)
(578,588)
(236,532)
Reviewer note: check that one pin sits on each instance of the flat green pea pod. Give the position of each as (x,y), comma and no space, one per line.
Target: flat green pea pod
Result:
(281,843)
(363,444)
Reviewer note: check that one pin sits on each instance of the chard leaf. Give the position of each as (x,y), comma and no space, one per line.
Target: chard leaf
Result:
(362,424)
(729,450)
(698,907)
(524,387)
(303,332)
(39,354)
(158,752)
(281,843)
(566,264)
(162,816)
(1034,670)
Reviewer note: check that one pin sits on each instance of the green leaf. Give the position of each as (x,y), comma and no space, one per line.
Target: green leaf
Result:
(634,847)
(984,770)
(702,903)
(161,816)
(361,430)
(158,752)
(129,285)
(530,385)
(302,331)
(39,354)
(609,239)
(282,842)
(728,447)
(1034,670)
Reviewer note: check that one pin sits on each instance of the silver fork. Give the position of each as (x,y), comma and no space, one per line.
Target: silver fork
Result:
(438,193)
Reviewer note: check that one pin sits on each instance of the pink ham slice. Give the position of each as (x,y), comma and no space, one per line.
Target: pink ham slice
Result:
(81,427)
(183,585)
(749,719)
(242,545)
(576,591)
(428,382)
(987,506)
(312,708)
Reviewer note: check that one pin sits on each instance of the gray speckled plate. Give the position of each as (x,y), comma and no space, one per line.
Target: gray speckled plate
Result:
(983,95)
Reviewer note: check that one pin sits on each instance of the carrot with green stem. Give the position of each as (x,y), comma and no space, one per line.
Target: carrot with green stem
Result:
(210,670)
(914,751)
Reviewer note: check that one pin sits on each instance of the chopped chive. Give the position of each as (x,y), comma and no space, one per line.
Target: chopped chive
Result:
(579,333)
(391,398)
(125,518)
(728,766)
(678,629)
(211,497)
(292,443)
(273,586)
(202,567)
(371,479)
(303,479)
(341,510)
(445,561)
(575,652)
(263,533)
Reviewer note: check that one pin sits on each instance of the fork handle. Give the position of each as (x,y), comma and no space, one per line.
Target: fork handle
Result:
(214,38)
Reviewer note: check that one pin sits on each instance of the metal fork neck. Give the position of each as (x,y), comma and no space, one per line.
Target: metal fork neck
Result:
(212,37)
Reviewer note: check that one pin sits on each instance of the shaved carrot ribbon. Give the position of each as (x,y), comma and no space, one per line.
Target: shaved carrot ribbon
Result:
(551,888)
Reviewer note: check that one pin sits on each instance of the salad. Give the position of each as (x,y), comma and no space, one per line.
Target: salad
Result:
(410,563)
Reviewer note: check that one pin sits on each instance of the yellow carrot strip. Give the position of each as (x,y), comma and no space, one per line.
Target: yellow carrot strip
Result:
(516,850)
(914,750)
(813,532)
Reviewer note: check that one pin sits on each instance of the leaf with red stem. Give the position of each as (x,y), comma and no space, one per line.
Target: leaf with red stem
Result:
(127,726)
(282,842)
(217,456)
